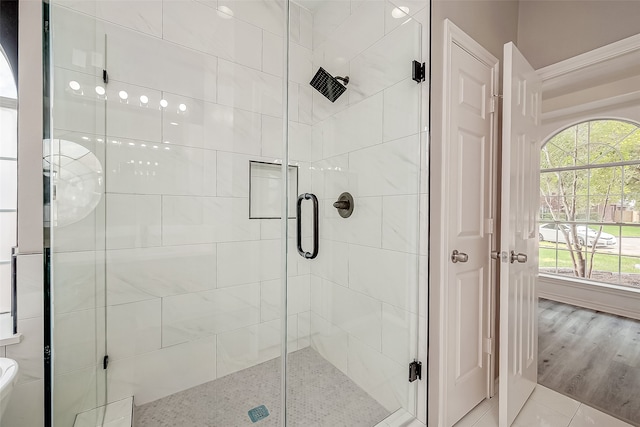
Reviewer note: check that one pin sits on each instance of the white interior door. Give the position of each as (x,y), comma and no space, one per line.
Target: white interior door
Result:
(469,227)
(519,237)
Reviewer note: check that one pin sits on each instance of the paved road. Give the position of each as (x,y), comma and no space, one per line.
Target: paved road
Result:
(629,246)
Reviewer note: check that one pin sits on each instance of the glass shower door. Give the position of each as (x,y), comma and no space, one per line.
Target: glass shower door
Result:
(74,167)
(354,133)
(175,273)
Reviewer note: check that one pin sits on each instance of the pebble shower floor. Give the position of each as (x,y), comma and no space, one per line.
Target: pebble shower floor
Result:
(319,395)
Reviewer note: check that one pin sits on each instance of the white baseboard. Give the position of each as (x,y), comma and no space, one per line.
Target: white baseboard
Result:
(602,297)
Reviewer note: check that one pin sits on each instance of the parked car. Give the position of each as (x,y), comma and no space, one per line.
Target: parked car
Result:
(552,232)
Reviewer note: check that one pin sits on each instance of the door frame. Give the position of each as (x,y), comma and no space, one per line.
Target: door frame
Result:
(438,258)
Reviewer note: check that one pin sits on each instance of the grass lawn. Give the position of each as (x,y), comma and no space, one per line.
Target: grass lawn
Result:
(601,262)
(627,231)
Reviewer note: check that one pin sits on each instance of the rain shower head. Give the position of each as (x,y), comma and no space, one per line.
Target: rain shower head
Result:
(328,85)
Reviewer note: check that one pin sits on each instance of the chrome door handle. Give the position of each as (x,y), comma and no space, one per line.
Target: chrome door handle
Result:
(314,199)
(495,254)
(459,256)
(521,258)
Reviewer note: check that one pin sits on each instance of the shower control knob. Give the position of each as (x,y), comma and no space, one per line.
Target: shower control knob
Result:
(341,204)
(344,204)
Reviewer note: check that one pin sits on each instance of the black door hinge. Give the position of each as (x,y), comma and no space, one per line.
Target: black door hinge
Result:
(105,361)
(415,371)
(105,76)
(419,71)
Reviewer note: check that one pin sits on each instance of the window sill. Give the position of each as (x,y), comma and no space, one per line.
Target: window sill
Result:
(608,298)
(13,339)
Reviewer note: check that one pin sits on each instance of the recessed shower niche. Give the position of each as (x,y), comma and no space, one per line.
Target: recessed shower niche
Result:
(265,190)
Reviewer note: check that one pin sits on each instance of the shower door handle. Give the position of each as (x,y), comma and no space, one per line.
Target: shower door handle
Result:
(314,199)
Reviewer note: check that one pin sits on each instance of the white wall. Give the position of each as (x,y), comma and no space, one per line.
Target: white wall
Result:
(551,31)
(27,404)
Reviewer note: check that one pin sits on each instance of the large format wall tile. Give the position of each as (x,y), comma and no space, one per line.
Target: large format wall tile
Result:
(143,167)
(398,333)
(400,223)
(75,281)
(332,262)
(330,341)
(385,63)
(133,221)
(160,64)
(133,112)
(298,297)
(141,274)
(266,14)
(76,392)
(133,328)
(197,26)
(143,16)
(401,110)
(357,127)
(383,379)
(385,275)
(190,316)
(248,262)
(363,227)
(188,220)
(84,54)
(355,34)
(78,107)
(28,352)
(249,89)
(246,347)
(355,313)
(272,58)
(160,373)
(391,168)
(78,340)
(195,123)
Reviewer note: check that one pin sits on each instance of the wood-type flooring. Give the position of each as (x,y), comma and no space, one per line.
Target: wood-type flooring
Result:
(591,356)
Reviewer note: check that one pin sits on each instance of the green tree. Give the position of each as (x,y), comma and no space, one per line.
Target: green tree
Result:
(581,177)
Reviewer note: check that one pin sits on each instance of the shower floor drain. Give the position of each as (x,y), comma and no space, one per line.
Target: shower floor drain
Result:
(258,413)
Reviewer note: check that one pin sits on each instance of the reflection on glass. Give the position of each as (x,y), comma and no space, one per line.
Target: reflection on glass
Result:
(77,181)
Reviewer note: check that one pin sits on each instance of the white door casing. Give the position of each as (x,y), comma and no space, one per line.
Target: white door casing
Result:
(473,77)
(519,234)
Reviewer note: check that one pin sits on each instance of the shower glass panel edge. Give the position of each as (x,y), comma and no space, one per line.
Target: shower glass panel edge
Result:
(74,161)
(356,304)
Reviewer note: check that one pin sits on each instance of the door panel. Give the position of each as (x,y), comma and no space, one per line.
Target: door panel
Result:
(468,282)
(518,277)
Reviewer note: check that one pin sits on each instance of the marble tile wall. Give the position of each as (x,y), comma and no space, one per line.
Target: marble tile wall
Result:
(168,275)
(371,272)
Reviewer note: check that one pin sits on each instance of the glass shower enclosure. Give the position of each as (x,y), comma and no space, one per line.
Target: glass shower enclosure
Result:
(206,268)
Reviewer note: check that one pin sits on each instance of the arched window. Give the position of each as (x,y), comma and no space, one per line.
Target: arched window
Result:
(8,179)
(590,202)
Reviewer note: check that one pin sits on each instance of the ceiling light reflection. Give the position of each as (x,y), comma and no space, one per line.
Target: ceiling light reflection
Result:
(400,12)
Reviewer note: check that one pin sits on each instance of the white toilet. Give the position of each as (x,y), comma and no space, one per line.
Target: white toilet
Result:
(8,377)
